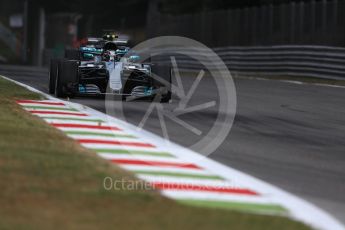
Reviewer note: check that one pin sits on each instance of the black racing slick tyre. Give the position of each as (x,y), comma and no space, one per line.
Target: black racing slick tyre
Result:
(66,77)
(72,54)
(162,80)
(52,75)
(167,96)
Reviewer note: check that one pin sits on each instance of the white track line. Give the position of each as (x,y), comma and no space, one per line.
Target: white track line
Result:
(110,146)
(93,137)
(142,158)
(195,195)
(98,137)
(104,131)
(165,169)
(26,105)
(58,121)
(188,181)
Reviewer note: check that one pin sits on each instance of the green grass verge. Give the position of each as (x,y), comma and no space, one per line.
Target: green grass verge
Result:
(48,181)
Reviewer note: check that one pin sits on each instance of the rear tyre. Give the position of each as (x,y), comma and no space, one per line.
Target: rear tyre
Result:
(66,78)
(72,54)
(53,71)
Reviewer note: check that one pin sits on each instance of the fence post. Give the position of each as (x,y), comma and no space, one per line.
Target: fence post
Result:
(152,19)
(237,25)
(25,32)
(324,14)
(333,23)
(245,33)
(335,13)
(300,36)
(263,24)
(270,24)
(229,27)
(282,28)
(253,15)
(41,37)
(203,25)
(292,22)
(312,20)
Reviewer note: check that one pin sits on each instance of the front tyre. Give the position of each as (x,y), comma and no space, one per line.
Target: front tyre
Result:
(166,98)
(162,81)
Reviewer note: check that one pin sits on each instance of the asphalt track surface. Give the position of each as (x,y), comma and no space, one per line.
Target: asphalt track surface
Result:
(290,135)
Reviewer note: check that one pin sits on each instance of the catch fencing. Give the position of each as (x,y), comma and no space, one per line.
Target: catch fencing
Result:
(312,22)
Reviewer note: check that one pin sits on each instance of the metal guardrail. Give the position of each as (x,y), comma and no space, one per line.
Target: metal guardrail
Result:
(309,61)
(293,60)
(31,71)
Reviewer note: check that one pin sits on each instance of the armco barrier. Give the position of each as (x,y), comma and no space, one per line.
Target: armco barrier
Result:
(308,61)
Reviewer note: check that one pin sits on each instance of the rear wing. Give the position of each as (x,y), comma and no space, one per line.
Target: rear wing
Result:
(118,41)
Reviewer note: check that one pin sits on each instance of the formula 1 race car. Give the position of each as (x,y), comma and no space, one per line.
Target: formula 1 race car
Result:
(101,66)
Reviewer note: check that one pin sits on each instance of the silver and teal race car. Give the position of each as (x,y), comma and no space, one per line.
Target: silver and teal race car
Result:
(105,65)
